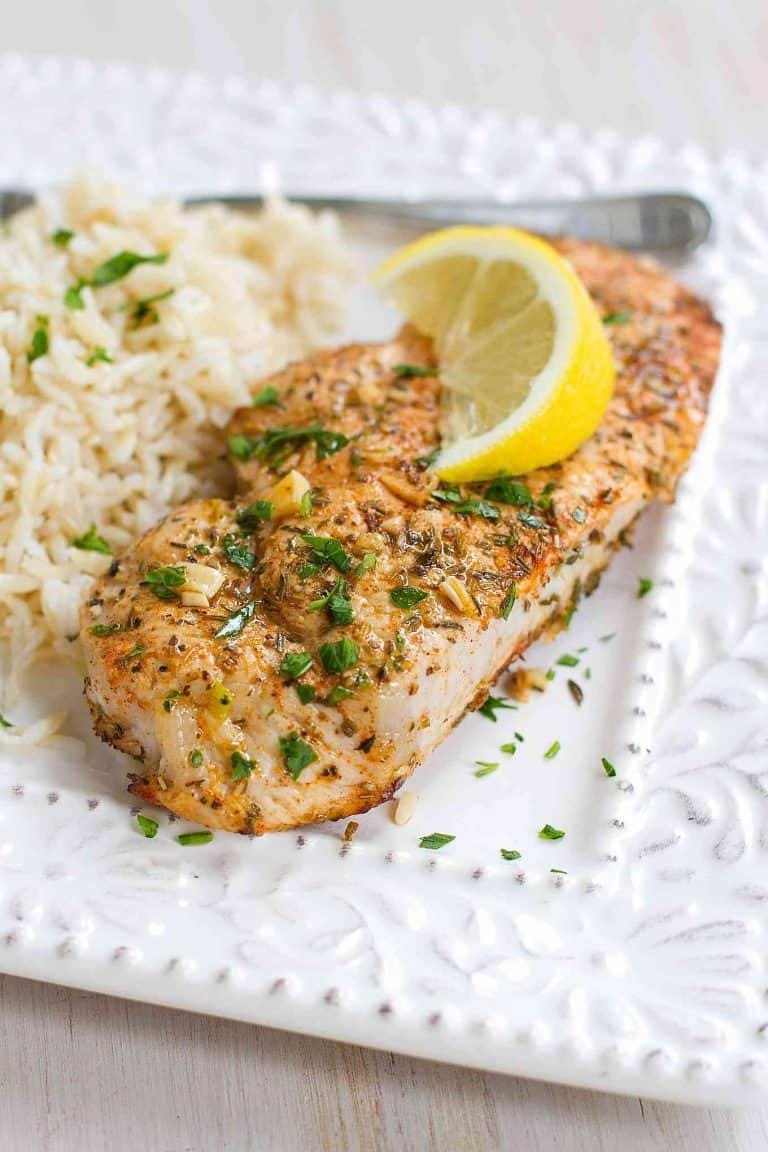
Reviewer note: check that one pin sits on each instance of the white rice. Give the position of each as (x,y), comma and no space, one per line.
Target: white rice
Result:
(118,444)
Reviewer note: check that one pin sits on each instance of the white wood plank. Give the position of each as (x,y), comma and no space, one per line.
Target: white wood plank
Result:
(86,1072)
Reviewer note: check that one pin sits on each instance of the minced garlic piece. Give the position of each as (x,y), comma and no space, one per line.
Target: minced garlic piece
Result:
(457,595)
(392,525)
(202,579)
(194,599)
(368,393)
(401,486)
(405,806)
(522,681)
(287,494)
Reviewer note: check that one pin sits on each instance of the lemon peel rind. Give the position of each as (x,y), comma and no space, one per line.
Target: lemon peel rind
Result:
(529,438)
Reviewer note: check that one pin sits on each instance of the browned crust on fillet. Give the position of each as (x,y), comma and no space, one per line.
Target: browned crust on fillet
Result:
(374,494)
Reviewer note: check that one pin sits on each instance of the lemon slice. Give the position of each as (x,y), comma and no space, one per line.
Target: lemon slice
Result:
(526,367)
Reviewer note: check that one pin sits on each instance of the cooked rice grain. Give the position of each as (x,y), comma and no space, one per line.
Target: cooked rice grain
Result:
(118,444)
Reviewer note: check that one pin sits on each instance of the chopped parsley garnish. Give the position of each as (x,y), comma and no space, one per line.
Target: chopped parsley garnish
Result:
(473,507)
(559,871)
(39,345)
(508,602)
(242,767)
(235,623)
(407,598)
(90,541)
(465,506)
(339,605)
(469,506)
(644,586)
(507,491)
(306,692)
(510,748)
(107,273)
(295,664)
(617,318)
(366,564)
(165,582)
(191,838)
(326,550)
(266,398)
(519,736)
(435,841)
(448,495)
(568,661)
(278,443)
(576,691)
(337,602)
(98,356)
(297,754)
(552,751)
(305,504)
(5,723)
(550,833)
(73,298)
(532,521)
(485,767)
(61,237)
(428,460)
(120,265)
(550,674)
(510,854)
(409,371)
(103,629)
(339,656)
(195,757)
(492,703)
(545,501)
(337,694)
(241,447)
(147,825)
(144,310)
(579,515)
(168,702)
(608,636)
(202,550)
(608,768)
(252,516)
(236,552)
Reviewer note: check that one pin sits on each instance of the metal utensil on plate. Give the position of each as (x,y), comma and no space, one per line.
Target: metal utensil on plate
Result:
(672,223)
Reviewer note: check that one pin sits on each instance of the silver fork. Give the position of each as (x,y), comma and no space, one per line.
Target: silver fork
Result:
(673,223)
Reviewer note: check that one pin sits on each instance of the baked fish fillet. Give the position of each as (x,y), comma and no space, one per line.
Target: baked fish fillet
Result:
(212,691)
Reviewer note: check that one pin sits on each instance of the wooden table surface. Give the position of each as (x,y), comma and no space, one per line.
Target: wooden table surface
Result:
(87,1072)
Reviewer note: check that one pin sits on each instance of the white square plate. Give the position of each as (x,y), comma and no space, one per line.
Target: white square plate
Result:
(642,965)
